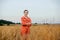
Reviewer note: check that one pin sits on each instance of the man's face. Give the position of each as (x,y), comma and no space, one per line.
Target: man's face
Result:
(26,13)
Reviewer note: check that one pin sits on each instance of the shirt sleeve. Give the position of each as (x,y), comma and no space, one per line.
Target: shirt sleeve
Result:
(30,22)
(23,21)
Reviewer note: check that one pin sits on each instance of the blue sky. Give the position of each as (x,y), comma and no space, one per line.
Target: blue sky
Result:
(39,10)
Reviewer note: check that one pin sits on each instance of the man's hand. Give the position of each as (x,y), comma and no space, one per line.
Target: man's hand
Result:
(28,23)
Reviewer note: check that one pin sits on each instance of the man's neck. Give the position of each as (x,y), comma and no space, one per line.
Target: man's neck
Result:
(25,15)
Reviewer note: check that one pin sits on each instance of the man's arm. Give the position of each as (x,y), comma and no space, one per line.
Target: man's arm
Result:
(23,21)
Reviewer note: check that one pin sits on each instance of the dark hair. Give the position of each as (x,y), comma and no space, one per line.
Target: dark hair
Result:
(25,10)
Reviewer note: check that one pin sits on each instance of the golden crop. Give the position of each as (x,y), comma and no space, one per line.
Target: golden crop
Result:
(38,32)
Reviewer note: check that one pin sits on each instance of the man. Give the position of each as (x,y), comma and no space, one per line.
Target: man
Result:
(26,23)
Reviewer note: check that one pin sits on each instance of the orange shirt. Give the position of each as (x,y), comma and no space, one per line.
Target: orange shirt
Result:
(25,20)
(25,29)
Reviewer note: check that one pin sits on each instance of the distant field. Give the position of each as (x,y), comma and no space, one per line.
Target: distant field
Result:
(38,32)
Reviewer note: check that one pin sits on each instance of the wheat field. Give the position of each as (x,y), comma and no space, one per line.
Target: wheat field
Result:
(37,32)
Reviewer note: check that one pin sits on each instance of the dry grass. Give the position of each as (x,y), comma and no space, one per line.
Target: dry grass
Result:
(38,32)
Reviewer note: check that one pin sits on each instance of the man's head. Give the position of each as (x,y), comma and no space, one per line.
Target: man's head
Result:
(25,12)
